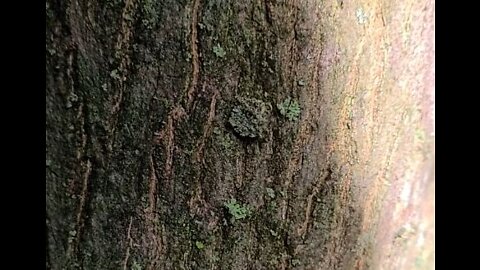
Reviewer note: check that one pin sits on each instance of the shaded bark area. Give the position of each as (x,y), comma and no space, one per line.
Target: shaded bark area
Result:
(145,100)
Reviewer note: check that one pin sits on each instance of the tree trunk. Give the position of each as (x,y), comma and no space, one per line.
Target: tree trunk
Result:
(315,116)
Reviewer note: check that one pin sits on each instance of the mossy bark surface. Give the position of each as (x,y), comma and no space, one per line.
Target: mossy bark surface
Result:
(161,112)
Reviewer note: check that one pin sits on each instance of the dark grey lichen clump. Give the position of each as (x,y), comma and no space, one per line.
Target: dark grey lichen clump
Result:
(249,118)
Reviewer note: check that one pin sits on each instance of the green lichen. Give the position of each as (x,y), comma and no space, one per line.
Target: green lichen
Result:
(136,266)
(296,262)
(219,51)
(290,109)
(249,118)
(115,75)
(271,193)
(199,245)
(149,13)
(236,210)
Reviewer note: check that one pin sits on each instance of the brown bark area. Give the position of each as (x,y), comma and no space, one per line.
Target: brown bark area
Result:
(143,154)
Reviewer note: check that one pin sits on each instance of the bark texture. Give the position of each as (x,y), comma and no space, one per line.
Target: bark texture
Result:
(315,116)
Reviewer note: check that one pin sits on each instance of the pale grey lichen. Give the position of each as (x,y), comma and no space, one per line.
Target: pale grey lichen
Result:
(362,16)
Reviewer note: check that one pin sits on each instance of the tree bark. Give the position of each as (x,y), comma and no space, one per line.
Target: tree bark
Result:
(159,113)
